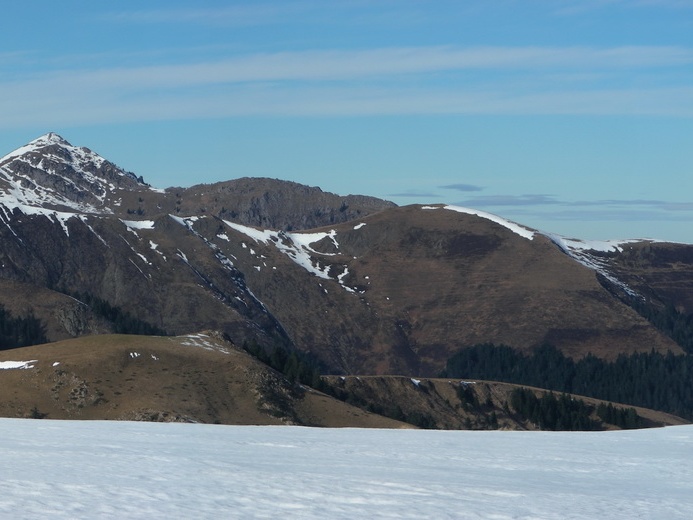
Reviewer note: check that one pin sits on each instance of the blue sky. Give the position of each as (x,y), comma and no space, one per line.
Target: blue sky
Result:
(572,116)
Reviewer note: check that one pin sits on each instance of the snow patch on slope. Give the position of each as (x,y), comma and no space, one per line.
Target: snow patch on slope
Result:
(306,239)
(202,341)
(583,252)
(297,246)
(23,365)
(605,246)
(512,226)
(138,224)
(11,203)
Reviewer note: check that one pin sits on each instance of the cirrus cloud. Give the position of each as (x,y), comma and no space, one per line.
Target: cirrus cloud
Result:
(462,187)
(383,81)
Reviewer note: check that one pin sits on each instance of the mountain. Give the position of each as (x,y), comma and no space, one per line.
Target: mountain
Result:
(414,284)
(49,174)
(359,284)
(73,222)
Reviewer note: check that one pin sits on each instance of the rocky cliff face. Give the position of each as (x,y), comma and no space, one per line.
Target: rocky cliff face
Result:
(369,288)
(274,204)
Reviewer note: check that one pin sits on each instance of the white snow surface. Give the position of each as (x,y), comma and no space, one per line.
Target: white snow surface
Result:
(99,469)
(138,224)
(9,365)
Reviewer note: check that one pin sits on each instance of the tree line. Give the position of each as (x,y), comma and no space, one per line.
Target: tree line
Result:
(568,413)
(304,369)
(652,380)
(123,322)
(18,332)
(298,367)
(677,325)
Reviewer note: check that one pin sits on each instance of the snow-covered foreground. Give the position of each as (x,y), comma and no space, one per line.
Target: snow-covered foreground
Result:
(65,469)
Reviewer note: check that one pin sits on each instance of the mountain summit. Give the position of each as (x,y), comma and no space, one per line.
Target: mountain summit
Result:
(52,174)
(52,177)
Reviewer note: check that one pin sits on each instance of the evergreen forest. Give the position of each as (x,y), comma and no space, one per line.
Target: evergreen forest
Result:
(20,332)
(565,413)
(651,380)
(123,322)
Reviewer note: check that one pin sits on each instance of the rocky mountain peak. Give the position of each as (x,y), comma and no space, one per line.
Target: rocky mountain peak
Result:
(49,139)
(50,173)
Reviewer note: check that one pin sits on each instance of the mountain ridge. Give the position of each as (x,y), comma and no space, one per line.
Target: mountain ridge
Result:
(360,283)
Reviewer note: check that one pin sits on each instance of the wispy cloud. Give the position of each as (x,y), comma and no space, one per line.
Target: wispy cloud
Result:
(13,56)
(600,214)
(462,187)
(511,200)
(671,4)
(270,12)
(644,203)
(543,200)
(340,65)
(518,80)
(549,208)
(572,7)
(414,194)
(256,14)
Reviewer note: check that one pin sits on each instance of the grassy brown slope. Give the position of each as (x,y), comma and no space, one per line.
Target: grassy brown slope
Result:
(187,378)
(429,282)
(450,280)
(437,404)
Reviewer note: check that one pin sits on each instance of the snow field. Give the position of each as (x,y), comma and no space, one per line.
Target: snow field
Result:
(69,469)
